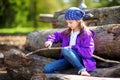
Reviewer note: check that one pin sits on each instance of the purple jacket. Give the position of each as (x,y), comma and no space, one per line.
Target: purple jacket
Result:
(84,46)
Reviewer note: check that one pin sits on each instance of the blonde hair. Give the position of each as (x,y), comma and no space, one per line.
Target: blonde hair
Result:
(81,25)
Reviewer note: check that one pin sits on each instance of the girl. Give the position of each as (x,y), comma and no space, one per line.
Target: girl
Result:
(77,45)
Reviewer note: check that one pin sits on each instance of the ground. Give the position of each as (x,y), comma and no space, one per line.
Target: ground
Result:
(11,41)
(8,42)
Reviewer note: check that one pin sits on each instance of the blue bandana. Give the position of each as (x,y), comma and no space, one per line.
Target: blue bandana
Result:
(75,13)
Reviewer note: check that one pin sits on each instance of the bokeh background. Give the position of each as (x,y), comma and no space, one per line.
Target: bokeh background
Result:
(22,16)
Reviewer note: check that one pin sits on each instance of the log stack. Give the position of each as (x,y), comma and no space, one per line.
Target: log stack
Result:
(102,16)
(107,45)
(107,40)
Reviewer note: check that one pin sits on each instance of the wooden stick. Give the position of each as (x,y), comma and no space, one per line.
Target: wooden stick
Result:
(106,60)
(43,49)
(59,48)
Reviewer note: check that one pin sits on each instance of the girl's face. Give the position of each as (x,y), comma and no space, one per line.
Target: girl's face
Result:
(73,24)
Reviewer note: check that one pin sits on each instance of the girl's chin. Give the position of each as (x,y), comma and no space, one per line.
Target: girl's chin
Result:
(72,28)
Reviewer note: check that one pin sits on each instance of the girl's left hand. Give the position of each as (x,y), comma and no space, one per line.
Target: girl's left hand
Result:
(67,47)
(48,44)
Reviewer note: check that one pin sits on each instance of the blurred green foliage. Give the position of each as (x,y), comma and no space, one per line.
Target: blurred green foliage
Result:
(96,3)
(102,3)
(25,13)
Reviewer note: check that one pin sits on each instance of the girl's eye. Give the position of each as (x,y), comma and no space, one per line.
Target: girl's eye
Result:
(70,22)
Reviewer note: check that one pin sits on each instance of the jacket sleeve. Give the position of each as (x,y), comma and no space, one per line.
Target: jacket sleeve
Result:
(86,48)
(55,37)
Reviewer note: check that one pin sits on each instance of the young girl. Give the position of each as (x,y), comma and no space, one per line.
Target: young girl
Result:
(77,45)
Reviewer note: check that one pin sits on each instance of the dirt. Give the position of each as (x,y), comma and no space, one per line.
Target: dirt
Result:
(11,41)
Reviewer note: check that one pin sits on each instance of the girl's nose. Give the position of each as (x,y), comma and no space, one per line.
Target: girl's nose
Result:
(68,25)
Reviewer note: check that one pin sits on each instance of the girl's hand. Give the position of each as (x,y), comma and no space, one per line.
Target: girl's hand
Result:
(67,47)
(48,44)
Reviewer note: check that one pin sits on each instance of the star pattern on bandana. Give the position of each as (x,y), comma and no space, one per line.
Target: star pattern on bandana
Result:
(74,14)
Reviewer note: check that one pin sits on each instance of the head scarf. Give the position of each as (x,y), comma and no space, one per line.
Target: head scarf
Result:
(75,13)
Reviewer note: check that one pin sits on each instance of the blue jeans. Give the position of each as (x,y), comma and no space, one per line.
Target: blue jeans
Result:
(71,59)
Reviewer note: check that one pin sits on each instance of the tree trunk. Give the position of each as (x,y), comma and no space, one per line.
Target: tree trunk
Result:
(24,68)
(67,77)
(107,40)
(102,16)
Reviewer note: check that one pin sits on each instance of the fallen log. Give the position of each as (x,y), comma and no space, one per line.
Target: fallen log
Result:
(107,40)
(102,16)
(20,67)
(67,77)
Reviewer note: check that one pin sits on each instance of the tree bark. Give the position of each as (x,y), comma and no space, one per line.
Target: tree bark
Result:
(102,16)
(23,68)
(67,77)
(107,40)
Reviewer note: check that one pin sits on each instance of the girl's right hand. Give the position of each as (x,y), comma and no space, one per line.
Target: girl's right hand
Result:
(48,43)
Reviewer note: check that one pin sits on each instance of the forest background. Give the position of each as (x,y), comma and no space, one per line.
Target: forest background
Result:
(22,16)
